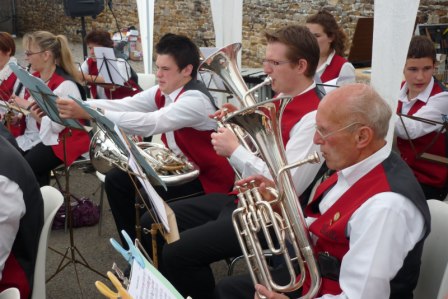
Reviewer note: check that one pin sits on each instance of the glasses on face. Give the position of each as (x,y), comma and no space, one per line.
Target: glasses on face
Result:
(29,53)
(274,62)
(324,135)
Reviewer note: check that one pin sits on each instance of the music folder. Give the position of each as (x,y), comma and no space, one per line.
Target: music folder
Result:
(44,97)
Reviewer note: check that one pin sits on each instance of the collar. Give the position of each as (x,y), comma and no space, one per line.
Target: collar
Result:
(6,71)
(173,96)
(423,96)
(355,172)
(311,86)
(327,62)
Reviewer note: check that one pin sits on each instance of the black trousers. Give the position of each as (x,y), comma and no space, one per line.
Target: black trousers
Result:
(242,287)
(206,236)
(42,160)
(121,195)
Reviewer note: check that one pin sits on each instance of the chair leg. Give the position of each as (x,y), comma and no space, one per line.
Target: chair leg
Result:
(101,209)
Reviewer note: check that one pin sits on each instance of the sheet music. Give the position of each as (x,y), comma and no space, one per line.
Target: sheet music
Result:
(149,283)
(108,66)
(155,199)
(43,96)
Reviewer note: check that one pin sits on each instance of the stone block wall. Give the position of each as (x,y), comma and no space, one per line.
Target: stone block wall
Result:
(193,18)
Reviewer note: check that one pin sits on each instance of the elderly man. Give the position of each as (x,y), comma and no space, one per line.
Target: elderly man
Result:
(370,217)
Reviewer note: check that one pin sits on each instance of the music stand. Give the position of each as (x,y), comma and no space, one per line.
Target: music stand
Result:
(108,68)
(423,154)
(46,100)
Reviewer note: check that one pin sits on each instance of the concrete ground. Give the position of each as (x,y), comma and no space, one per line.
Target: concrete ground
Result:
(76,280)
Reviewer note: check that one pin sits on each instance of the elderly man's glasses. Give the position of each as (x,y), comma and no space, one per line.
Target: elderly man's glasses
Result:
(324,135)
(274,62)
(29,53)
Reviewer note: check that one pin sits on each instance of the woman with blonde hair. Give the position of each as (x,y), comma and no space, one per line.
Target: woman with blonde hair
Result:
(51,60)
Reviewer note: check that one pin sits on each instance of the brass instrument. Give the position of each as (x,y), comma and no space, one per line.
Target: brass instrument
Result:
(283,216)
(172,170)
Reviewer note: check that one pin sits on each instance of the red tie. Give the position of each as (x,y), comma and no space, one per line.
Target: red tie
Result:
(325,185)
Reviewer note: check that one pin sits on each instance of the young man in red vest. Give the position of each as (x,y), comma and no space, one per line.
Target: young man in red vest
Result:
(423,96)
(178,108)
(205,223)
(370,218)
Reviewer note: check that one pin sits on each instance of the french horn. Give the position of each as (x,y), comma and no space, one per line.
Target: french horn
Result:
(172,169)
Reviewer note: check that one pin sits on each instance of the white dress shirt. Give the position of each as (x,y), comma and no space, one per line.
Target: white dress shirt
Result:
(299,146)
(382,232)
(11,211)
(346,75)
(436,107)
(139,115)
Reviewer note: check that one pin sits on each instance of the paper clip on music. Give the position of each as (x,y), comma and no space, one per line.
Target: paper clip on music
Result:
(106,291)
(129,255)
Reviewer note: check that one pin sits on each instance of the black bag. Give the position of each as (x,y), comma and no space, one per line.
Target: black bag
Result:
(84,211)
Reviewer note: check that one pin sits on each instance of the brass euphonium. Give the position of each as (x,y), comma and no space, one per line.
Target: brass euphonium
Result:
(281,221)
(172,170)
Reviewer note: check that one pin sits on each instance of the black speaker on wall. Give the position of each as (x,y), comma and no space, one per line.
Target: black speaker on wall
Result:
(83,8)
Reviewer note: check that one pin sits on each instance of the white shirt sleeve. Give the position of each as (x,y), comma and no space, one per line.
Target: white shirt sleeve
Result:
(436,106)
(49,130)
(12,210)
(382,232)
(139,115)
(347,74)
(299,146)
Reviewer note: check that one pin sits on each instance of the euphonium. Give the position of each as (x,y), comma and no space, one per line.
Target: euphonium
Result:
(283,224)
(172,170)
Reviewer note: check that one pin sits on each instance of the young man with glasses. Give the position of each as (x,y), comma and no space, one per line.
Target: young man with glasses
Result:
(205,223)
(370,218)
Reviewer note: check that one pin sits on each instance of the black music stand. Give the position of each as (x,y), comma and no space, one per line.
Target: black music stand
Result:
(108,69)
(423,154)
(46,100)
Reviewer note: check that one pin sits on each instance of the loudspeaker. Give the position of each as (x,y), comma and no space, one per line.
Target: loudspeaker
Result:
(83,8)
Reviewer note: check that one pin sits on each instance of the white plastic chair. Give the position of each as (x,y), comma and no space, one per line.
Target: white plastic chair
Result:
(53,199)
(11,293)
(146,80)
(100,177)
(433,279)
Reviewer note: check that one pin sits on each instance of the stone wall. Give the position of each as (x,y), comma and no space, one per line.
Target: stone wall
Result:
(193,18)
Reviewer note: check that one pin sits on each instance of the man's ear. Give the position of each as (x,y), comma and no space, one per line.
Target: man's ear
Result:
(364,136)
(186,71)
(302,65)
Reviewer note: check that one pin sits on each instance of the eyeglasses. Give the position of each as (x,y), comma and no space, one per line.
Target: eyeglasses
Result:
(325,136)
(274,62)
(29,53)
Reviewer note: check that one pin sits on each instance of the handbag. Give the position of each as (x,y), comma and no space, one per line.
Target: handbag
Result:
(84,213)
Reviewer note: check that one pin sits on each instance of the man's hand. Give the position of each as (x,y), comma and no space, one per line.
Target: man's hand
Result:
(68,108)
(224,142)
(263,291)
(262,182)
(226,108)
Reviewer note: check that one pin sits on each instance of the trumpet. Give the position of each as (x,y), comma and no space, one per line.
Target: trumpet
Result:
(256,215)
(172,170)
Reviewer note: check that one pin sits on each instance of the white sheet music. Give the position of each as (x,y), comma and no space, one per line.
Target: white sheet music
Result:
(108,66)
(154,197)
(148,283)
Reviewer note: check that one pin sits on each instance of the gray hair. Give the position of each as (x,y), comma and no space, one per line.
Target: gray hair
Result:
(368,107)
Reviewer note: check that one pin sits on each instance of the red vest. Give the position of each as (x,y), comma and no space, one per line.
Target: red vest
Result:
(129,89)
(297,108)
(14,276)
(427,172)
(333,69)
(330,227)
(216,174)
(77,141)
(6,91)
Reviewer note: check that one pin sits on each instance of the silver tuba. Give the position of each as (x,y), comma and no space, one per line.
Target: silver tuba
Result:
(255,215)
(172,170)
